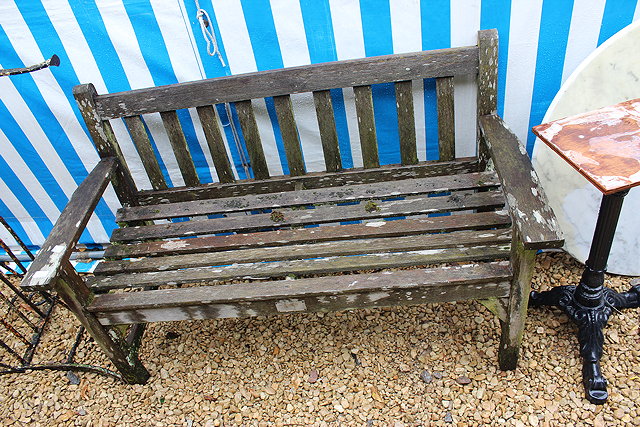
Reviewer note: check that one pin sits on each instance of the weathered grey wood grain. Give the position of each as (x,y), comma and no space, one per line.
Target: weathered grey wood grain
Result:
(523,263)
(289,132)
(319,215)
(405,227)
(487,72)
(252,139)
(528,204)
(406,123)
(366,126)
(62,239)
(487,100)
(312,294)
(140,138)
(215,142)
(311,197)
(304,267)
(77,297)
(309,181)
(180,149)
(106,143)
(328,132)
(446,118)
(458,239)
(307,78)
(392,298)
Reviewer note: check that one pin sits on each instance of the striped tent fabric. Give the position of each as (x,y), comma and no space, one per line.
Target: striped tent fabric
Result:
(45,150)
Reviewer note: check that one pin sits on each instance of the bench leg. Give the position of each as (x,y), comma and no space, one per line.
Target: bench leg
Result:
(77,296)
(523,262)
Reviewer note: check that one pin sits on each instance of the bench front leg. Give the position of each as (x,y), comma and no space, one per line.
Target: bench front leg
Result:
(77,296)
(534,227)
(522,264)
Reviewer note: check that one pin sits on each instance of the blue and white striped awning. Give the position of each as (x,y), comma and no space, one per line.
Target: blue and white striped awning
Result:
(117,45)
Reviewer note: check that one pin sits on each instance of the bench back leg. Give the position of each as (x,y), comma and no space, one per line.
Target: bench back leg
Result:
(522,263)
(77,296)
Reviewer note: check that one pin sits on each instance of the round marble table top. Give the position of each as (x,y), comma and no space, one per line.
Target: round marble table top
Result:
(611,74)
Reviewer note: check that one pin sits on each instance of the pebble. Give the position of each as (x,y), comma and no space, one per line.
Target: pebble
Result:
(228,372)
(426,377)
(463,380)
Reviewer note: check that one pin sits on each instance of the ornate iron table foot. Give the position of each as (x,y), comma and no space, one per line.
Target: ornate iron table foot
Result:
(591,320)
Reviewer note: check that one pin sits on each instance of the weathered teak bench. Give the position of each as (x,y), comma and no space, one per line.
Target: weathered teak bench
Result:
(483,249)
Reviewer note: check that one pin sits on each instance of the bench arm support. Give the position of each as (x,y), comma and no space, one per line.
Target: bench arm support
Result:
(65,234)
(533,219)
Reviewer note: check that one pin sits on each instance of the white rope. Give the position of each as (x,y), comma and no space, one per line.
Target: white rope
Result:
(213,50)
(208,33)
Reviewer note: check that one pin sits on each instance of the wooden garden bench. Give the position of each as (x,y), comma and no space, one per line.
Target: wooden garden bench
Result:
(483,247)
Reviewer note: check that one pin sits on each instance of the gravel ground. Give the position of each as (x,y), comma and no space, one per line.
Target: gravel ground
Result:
(427,365)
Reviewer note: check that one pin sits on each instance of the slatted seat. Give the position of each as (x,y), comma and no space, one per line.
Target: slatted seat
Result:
(381,235)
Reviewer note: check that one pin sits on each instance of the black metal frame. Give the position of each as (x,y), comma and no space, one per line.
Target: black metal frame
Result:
(35,315)
(590,304)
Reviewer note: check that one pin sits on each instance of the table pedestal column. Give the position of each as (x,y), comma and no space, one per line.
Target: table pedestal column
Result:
(590,303)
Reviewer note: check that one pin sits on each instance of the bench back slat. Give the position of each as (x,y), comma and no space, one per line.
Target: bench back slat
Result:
(328,132)
(366,126)
(212,134)
(289,132)
(140,137)
(358,75)
(251,135)
(406,123)
(180,148)
(446,124)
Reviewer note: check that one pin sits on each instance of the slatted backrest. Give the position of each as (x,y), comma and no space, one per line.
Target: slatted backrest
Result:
(360,74)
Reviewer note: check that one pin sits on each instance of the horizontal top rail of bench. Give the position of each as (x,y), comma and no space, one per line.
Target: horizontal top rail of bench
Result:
(307,78)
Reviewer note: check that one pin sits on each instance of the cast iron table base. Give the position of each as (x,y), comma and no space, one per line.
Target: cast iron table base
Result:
(591,303)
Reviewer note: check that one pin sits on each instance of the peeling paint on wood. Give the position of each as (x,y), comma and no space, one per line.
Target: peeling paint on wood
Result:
(603,145)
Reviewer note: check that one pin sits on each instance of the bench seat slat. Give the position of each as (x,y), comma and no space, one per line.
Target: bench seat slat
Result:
(381,289)
(319,215)
(280,269)
(309,197)
(483,220)
(313,250)
(309,181)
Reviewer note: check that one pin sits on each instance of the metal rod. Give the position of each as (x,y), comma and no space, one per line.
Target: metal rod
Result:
(63,367)
(54,61)
(12,256)
(9,269)
(15,332)
(16,238)
(22,296)
(12,352)
(18,312)
(35,339)
(76,344)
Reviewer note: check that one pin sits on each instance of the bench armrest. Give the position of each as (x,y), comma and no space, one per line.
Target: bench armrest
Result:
(67,230)
(533,218)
